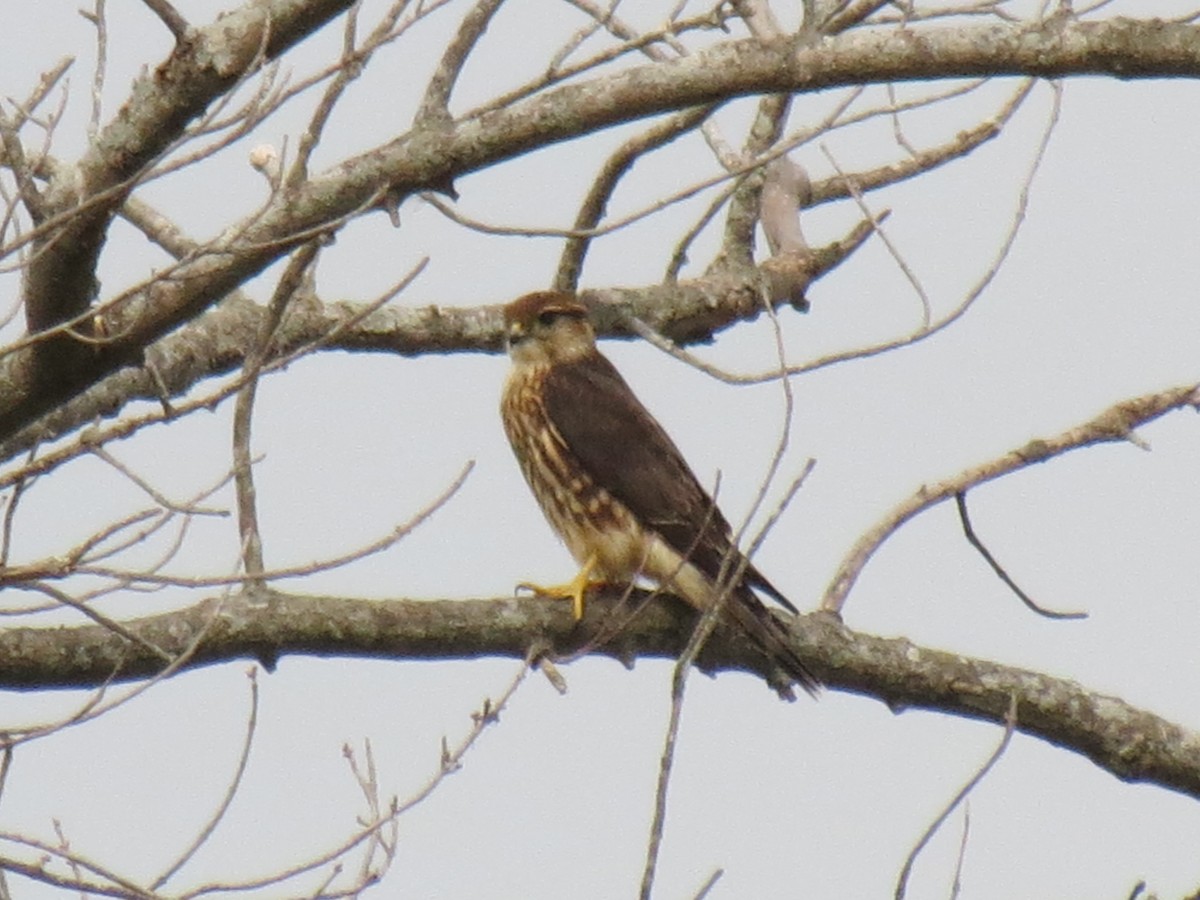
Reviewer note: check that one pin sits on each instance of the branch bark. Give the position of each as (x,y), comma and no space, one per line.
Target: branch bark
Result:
(1117,423)
(217,341)
(81,200)
(1132,744)
(427,158)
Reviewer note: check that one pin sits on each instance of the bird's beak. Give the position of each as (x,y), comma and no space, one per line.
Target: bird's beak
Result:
(516,334)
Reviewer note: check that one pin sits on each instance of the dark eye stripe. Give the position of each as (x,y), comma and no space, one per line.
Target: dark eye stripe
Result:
(552,314)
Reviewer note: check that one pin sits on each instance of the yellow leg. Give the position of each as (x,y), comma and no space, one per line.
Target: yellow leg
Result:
(573,590)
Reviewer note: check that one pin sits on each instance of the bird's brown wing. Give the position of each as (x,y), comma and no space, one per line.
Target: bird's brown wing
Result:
(626,452)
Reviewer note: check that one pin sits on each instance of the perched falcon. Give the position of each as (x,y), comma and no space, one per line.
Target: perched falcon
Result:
(612,484)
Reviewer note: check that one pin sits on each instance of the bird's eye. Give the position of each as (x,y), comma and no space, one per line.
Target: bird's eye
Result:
(547,317)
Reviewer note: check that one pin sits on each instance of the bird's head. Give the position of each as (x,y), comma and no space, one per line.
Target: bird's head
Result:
(546,328)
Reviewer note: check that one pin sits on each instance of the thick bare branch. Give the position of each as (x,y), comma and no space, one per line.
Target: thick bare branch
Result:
(60,282)
(1132,744)
(217,341)
(1119,47)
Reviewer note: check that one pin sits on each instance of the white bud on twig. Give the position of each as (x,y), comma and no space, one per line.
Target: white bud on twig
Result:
(265,158)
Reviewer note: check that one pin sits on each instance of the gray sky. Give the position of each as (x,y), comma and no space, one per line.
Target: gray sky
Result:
(1096,303)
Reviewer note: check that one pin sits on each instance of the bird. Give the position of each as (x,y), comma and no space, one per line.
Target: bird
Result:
(614,486)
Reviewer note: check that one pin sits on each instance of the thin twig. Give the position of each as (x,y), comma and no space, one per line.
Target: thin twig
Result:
(577,40)
(27,189)
(151,491)
(230,792)
(851,14)
(679,256)
(897,256)
(956,886)
(351,64)
(821,192)
(324,565)
(170,16)
(243,473)
(1010,727)
(732,571)
(64,846)
(368,783)
(960,499)
(350,67)
(435,105)
(95,706)
(897,129)
(648,43)
(262,104)
(98,617)
(667,760)
(591,210)
(46,83)
(451,761)
(127,426)
(6,758)
(113,885)
(98,17)
(1117,423)
(10,513)
(785,433)
(92,550)
(679,674)
(965,141)
(706,888)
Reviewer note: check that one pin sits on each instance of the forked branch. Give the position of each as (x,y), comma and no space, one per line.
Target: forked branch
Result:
(1117,423)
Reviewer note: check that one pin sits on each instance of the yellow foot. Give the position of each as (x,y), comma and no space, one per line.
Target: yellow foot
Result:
(573,590)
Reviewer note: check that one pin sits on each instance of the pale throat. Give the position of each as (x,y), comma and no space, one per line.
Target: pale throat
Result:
(564,347)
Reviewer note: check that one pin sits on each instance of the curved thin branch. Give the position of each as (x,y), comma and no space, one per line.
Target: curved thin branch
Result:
(1116,423)
(964,518)
(231,791)
(176,23)
(435,106)
(591,211)
(921,334)
(1010,726)
(288,288)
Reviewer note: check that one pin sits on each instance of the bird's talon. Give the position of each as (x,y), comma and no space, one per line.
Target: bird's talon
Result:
(567,591)
(574,590)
